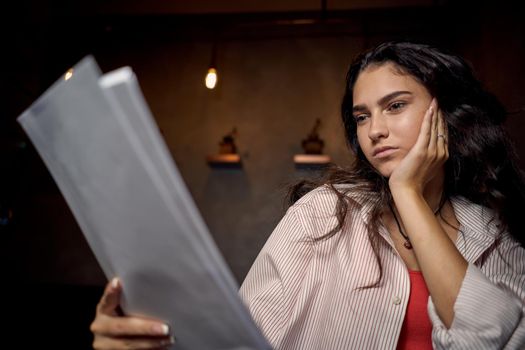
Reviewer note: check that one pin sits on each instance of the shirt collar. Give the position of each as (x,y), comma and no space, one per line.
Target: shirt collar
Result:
(479,219)
(478,228)
(478,224)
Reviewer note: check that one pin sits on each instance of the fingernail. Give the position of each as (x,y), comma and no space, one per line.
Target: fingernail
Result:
(114,283)
(161,329)
(169,341)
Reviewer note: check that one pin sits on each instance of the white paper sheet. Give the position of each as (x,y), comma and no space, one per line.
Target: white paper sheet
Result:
(97,137)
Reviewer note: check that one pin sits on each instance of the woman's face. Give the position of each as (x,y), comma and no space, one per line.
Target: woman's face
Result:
(388,109)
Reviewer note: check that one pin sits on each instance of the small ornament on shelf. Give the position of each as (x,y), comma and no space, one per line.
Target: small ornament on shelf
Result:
(313,150)
(227,156)
(227,145)
(313,143)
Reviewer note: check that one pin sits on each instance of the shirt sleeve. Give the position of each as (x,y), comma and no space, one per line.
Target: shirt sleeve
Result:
(489,310)
(274,277)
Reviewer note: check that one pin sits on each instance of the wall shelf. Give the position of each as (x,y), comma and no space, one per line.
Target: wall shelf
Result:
(311,161)
(230,160)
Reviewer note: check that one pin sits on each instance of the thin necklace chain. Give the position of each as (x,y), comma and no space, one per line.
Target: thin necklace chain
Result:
(408,244)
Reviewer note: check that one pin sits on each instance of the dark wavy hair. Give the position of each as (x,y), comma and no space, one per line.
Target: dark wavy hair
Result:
(482,164)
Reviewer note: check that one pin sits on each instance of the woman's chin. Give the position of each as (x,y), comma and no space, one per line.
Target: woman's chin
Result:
(385,168)
(385,172)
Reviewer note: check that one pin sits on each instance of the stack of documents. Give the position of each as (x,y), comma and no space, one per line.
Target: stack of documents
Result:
(98,139)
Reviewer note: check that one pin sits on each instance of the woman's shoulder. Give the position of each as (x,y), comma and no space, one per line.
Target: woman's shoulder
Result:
(312,216)
(324,198)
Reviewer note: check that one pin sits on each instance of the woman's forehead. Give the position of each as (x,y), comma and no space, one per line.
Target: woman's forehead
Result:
(377,81)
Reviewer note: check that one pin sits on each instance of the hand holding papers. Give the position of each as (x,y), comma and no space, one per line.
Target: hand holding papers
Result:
(97,137)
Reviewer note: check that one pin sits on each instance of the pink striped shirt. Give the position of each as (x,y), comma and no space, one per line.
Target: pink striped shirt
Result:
(304,295)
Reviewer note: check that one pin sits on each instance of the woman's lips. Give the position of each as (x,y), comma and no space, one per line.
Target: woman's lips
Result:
(384,152)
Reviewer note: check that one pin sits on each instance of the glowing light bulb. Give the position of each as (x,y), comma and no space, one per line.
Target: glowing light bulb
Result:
(211,78)
(68,74)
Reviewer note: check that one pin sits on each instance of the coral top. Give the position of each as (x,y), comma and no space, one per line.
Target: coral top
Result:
(417,329)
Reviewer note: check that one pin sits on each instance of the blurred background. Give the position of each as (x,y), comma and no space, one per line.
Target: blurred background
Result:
(281,67)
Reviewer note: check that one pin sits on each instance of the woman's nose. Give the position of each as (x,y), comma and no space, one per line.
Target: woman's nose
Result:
(378,128)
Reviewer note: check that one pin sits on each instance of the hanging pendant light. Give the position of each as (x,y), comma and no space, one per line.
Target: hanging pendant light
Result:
(211,77)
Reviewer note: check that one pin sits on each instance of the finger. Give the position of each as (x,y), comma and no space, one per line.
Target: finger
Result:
(111,298)
(423,138)
(435,126)
(442,141)
(134,343)
(441,128)
(444,129)
(129,326)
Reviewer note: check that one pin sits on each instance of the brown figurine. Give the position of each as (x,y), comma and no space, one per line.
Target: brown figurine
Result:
(227,145)
(313,144)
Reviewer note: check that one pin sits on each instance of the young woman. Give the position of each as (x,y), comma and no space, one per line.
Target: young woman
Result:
(418,245)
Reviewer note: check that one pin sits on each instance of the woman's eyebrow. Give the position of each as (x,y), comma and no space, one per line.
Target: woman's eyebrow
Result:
(382,100)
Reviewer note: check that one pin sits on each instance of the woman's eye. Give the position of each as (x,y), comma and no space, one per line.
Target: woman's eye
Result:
(359,118)
(396,106)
